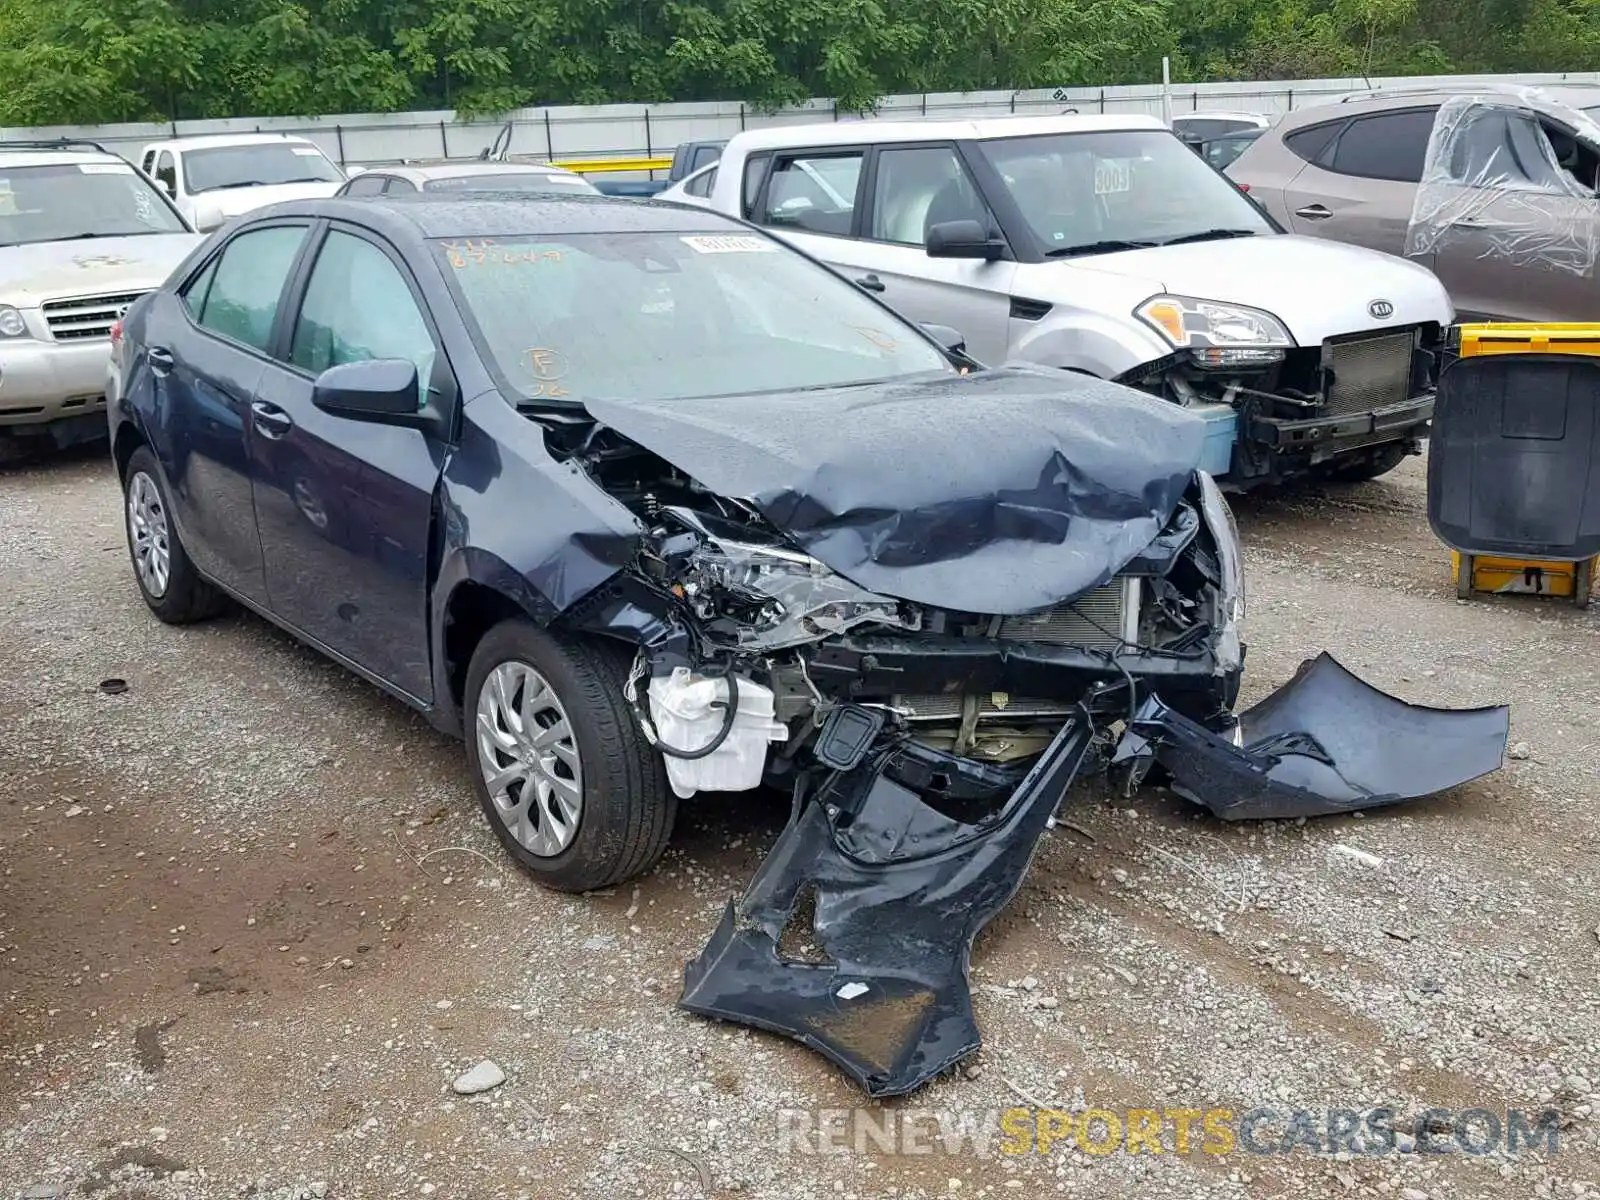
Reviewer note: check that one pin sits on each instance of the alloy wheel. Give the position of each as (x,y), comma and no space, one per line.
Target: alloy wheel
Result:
(149,534)
(529,757)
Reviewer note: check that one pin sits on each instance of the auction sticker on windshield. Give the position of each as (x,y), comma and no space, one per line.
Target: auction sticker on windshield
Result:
(729,244)
(1112,175)
(105,168)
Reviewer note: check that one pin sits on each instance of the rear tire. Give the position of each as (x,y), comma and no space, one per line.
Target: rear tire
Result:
(167,579)
(1377,462)
(560,766)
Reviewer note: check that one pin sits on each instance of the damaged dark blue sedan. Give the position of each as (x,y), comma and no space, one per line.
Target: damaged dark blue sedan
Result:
(641,503)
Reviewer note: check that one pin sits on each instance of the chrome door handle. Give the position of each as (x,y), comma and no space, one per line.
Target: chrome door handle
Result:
(1313,212)
(270,420)
(870,283)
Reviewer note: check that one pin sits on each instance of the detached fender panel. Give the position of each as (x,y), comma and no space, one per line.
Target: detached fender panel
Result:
(1324,743)
(901,890)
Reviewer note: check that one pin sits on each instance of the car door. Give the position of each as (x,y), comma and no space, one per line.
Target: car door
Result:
(207,359)
(345,507)
(1514,234)
(1361,184)
(812,198)
(910,188)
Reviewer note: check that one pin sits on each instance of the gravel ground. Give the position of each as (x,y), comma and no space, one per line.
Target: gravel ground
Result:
(252,928)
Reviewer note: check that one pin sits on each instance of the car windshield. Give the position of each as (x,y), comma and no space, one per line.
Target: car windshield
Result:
(256,164)
(509,181)
(80,200)
(662,316)
(1085,193)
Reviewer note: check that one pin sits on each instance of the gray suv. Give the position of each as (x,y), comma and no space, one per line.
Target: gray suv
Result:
(1493,189)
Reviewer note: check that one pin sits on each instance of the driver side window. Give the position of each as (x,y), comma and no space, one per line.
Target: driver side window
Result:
(920,187)
(358,306)
(1511,150)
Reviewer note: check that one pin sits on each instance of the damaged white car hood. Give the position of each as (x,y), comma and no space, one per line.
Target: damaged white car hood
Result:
(1318,289)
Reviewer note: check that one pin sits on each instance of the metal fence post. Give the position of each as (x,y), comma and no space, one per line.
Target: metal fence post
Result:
(549,138)
(338,132)
(444,141)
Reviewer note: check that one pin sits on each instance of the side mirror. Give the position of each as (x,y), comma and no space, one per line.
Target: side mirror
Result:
(963,239)
(380,389)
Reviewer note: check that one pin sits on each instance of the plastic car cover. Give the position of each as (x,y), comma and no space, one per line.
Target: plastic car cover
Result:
(1039,486)
(1492,180)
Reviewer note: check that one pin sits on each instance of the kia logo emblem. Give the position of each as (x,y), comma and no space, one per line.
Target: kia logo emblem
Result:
(1381,309)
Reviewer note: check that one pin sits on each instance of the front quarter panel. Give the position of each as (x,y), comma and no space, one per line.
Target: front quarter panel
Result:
(1083,339)
(514,520)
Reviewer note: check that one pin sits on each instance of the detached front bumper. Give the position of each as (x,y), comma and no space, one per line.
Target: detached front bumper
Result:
(1326,436)
(900,889)
(906,852)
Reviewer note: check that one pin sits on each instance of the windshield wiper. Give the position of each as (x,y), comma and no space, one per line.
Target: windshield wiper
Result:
(1210,235)
(1104,247)
(238,183)
(306,179)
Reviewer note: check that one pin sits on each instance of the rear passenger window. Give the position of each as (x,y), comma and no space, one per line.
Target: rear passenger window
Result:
(242,300)
(1386,146)
(366,185)
(1311,142)
(813,193)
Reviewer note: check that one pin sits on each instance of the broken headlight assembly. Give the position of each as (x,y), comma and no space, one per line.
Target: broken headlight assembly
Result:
(780,598)
(1217,335)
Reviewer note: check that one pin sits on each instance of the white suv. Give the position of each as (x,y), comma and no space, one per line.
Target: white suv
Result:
(82,236)
(1102,244)
(214,178)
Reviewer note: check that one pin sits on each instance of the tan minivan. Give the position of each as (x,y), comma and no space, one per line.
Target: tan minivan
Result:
(1494,189)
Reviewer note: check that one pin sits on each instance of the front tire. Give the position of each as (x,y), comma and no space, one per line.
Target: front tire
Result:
(171,586)
(560,766)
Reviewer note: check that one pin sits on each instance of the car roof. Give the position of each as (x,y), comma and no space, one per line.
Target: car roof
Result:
(421,172)
(22,155)
(852,133)
(1206,114)
(428,215)
(1567,95)
(202,141)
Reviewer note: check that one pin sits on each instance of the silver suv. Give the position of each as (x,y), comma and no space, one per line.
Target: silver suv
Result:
(82,236)
(1492,188)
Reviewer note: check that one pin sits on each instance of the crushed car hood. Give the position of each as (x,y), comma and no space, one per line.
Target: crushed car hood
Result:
(999,492)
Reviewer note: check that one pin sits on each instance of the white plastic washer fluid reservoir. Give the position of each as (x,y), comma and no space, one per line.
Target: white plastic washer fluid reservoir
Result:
(688,712)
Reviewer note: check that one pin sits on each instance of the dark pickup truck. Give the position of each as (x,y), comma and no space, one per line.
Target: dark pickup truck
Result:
(688,158)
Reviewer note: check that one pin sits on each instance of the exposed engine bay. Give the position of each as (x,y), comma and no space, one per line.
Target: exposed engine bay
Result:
(925,659)
(755,610)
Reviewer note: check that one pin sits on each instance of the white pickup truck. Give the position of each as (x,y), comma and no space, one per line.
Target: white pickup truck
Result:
(1102,244)
(214,178)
